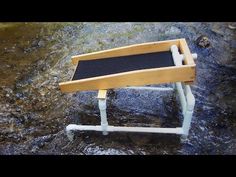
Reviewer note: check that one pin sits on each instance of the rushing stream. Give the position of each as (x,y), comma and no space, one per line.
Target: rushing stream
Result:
(35,57)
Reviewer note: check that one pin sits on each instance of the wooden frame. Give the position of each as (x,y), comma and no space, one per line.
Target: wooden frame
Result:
(184,73)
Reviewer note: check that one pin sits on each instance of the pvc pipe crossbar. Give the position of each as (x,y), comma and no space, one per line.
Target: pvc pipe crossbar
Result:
(151,88)
(109,128)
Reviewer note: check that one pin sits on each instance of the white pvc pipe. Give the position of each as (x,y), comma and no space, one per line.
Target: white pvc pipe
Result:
(189,109)
(187,121)
(189,98)
(181,96)
(151,88)
(194,55)
(176,55)
(72,127)
(102,107)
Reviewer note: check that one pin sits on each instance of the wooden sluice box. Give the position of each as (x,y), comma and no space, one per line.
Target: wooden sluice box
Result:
(133,67)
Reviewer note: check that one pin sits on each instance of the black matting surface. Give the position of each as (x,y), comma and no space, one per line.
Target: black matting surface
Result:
(101,67)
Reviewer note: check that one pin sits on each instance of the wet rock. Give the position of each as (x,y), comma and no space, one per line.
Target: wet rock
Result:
(173,31)
(37,44)
(8,90)
(45,83)
(101,151)
(12,136)
(55,78)
(232,27)
(54,73)
(19,95)
(203,42)
(34,149)
(18,109)
(41,43)
(40,142)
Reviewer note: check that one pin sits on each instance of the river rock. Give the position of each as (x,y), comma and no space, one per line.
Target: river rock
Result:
(173,31)
(203,42)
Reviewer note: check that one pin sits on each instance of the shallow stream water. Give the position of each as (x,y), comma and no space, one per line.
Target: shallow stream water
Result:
(35,57)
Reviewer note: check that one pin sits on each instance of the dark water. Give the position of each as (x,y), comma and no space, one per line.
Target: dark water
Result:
(35,57)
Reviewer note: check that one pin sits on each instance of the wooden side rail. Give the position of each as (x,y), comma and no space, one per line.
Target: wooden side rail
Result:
(185,73)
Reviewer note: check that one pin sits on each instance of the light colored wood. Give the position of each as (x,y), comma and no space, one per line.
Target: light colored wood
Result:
(132,78)
(189,82)
(188,58)
(128,50)
(74,71)
(102,94)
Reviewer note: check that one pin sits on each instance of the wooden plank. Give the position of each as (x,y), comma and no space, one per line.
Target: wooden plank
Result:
(188,59)
(128,50)
(132,78)
(102,94)
(189,82)
(74,71)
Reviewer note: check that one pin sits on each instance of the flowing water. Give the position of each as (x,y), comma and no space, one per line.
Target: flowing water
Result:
(35,57)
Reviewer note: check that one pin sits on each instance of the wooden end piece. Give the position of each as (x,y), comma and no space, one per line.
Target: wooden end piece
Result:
(102,94)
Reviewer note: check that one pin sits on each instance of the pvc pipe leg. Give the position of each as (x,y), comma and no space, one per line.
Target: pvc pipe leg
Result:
(174,86)
(187,122)
(183,138)
(182,96)
(103,114)
(188,113)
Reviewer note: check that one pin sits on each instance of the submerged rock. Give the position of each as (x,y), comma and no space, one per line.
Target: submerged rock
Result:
(203,42)
(173,31)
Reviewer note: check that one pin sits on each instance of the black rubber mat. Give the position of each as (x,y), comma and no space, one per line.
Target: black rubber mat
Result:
(101,67)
